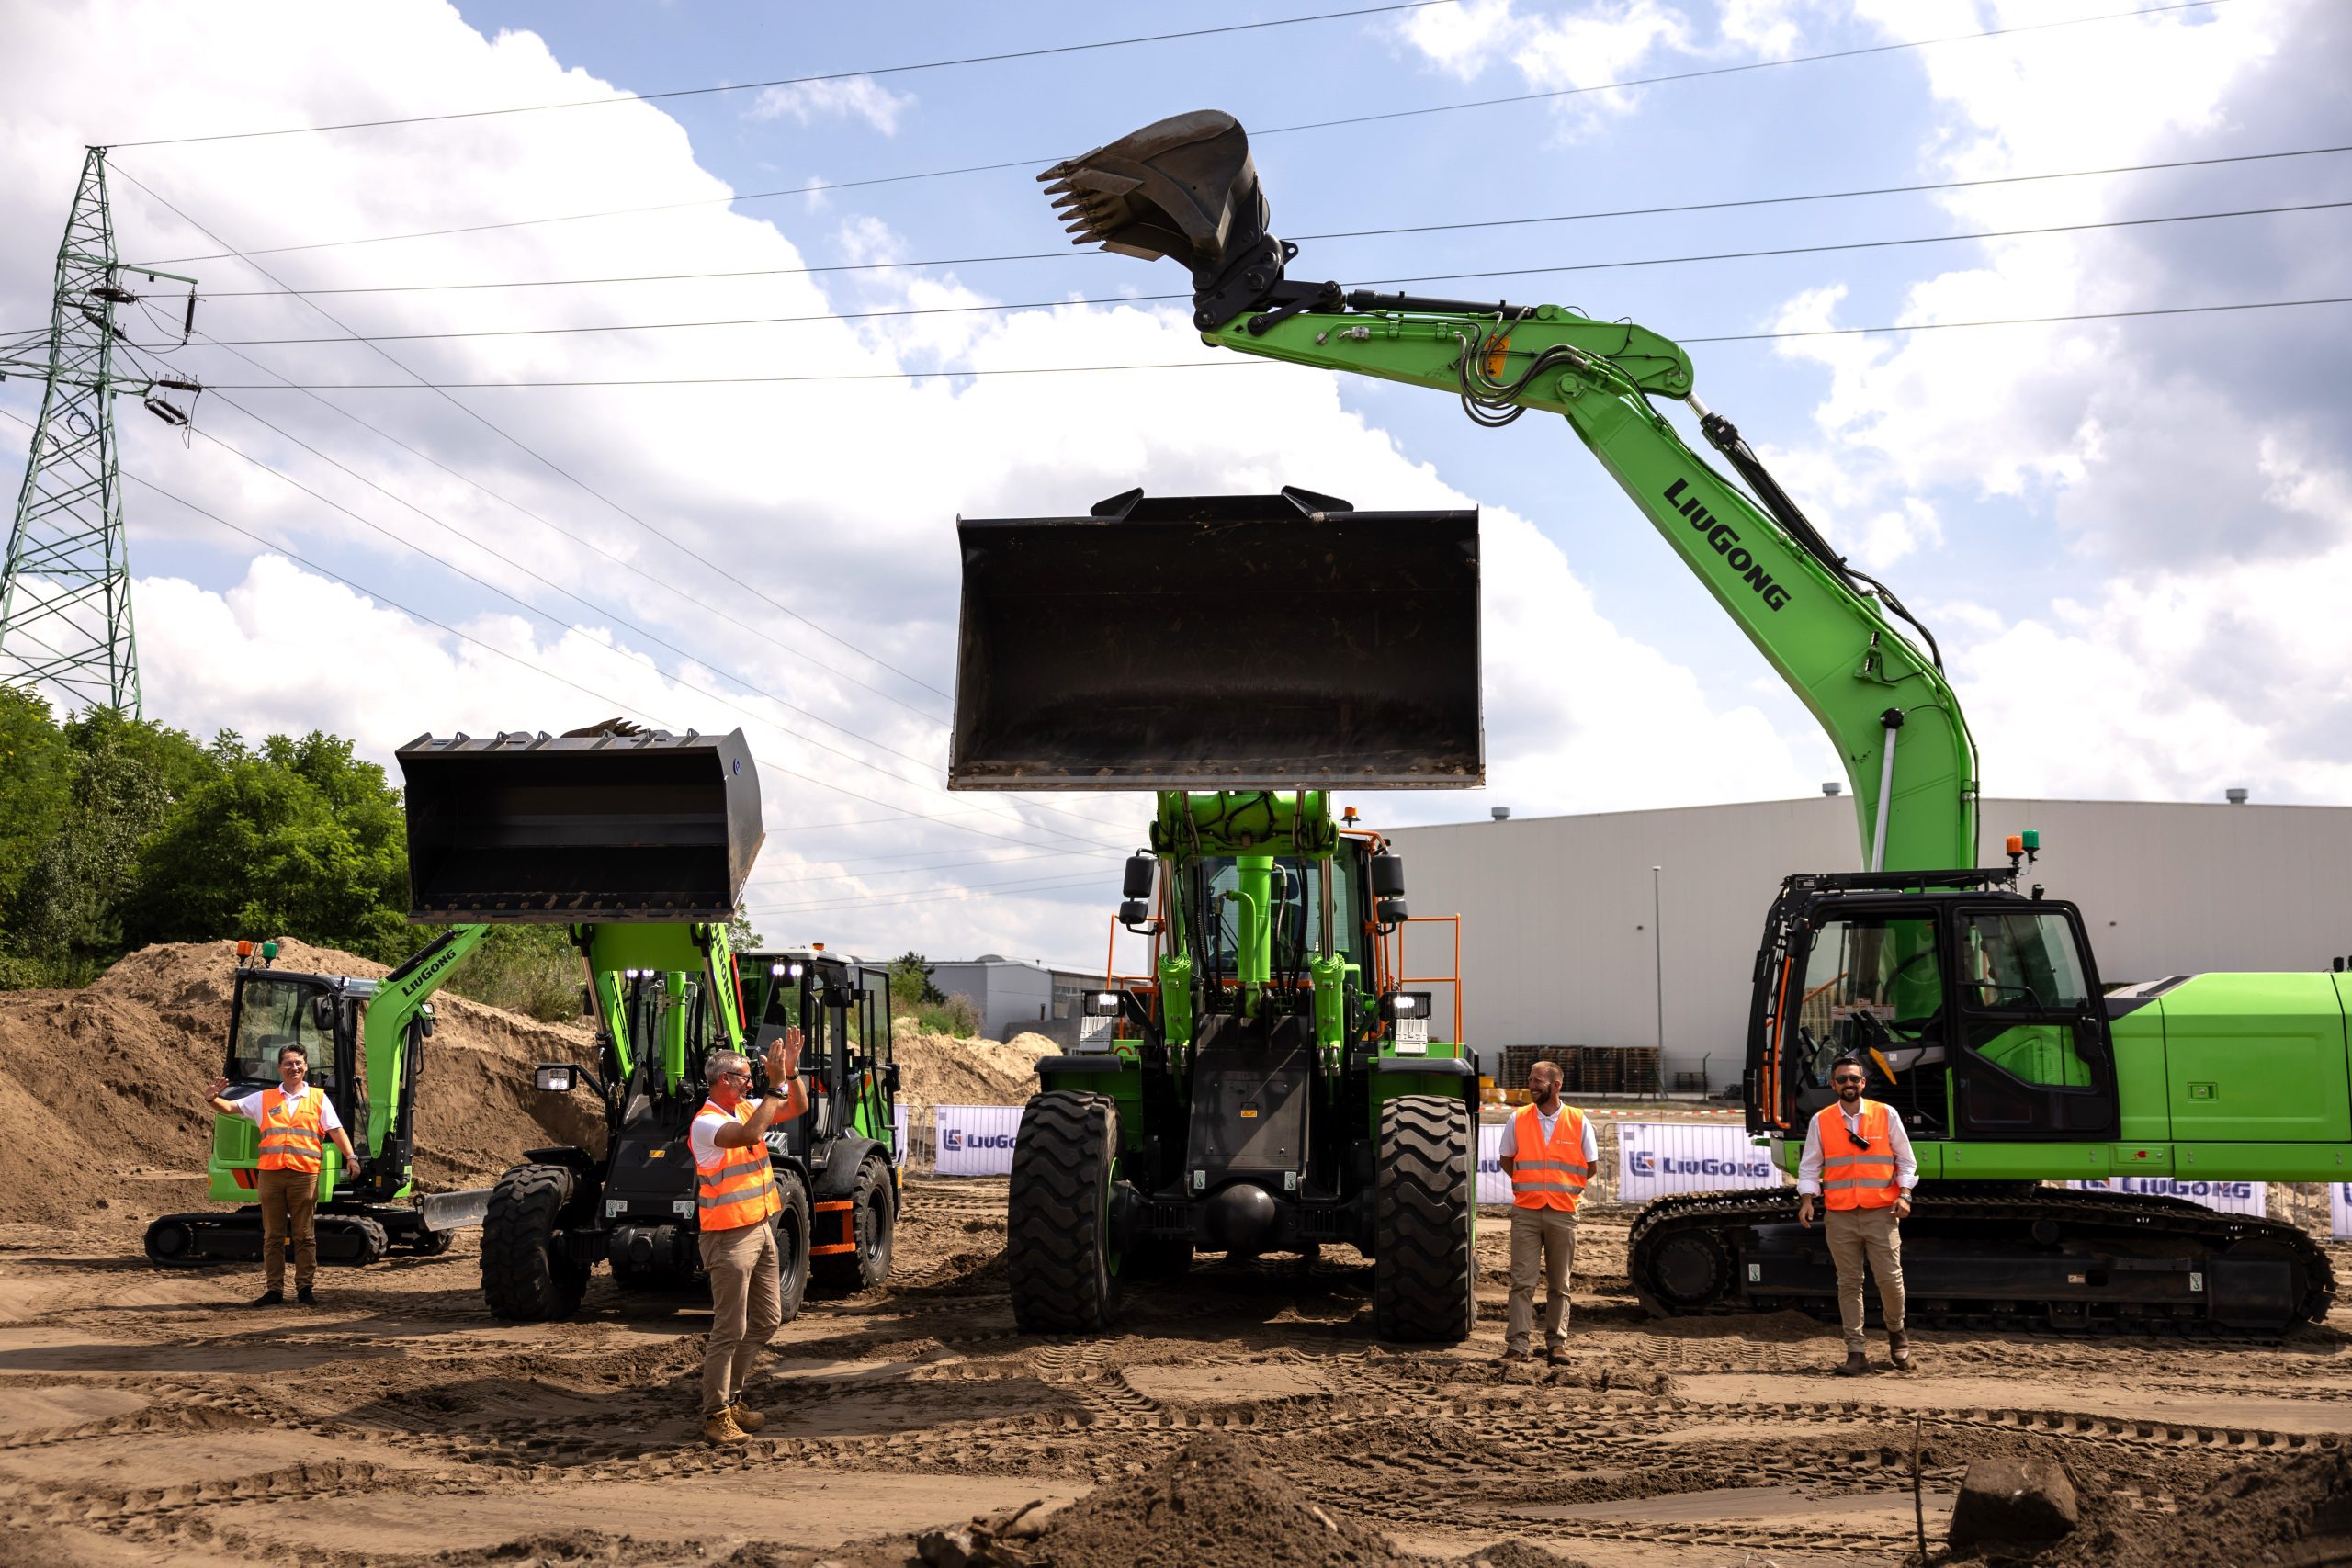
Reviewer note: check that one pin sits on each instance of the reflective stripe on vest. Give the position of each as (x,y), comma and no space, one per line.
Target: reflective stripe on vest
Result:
(289,1130)
(1548,1176)
(1857,1178)
(738,1189)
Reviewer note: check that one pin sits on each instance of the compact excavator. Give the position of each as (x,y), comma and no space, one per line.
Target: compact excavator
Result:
(1977,1000)
(365,1040)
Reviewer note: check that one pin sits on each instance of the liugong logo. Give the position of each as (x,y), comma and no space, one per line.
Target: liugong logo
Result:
(1726,543)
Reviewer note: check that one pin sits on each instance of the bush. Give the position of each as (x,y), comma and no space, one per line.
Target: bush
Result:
(952,1015)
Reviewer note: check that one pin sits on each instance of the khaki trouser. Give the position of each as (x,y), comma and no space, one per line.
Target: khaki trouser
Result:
(747,1305)
(1856,1235)
(1542,1242)
(290,1210)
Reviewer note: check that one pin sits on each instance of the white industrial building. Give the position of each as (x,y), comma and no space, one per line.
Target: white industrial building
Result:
(1640,928)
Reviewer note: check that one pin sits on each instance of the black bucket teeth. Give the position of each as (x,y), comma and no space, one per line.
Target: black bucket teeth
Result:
(1183,186)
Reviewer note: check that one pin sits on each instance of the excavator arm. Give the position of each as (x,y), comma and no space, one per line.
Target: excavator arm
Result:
(1187,188)
(391,1012)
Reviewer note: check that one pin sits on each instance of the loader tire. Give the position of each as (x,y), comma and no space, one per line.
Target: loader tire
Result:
(527,1274)
(1424,1202)
(1063,1274)
(791,1242)
(874,1221)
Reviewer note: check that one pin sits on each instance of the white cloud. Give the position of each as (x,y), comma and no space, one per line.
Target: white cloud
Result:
(1582,50)
(848,97)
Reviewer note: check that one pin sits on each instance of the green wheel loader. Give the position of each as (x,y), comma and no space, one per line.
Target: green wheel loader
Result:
(365,1040)
(1270,1086)
(639,842)
(1977,1002)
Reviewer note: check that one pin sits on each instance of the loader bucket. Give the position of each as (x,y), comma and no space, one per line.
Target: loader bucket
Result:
(534,829)
(1218,642)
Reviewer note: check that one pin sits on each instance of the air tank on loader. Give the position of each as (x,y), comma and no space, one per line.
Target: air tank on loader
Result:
(1269,1087)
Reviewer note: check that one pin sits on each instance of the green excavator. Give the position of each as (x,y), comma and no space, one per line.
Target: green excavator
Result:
(1977,1001)
(1271,1085)
(365,1040)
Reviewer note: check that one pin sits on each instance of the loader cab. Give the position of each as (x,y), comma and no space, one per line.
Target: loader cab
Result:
(1977,1010)
(1296,886)
(841,1008)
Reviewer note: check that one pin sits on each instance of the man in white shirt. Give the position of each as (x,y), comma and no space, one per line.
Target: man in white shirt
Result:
(293,1117)
(1549,1153)
(1857,1163)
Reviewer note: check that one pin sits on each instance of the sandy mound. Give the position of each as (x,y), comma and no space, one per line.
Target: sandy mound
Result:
(2295,1512)
(939,1069)
(97,1082)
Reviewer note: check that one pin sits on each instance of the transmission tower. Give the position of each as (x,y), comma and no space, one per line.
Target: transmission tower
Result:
(65,590)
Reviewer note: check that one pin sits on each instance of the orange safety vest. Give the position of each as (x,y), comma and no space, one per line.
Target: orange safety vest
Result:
(738,1189)
(289,1130)
(1548,1176)
(1852,1177)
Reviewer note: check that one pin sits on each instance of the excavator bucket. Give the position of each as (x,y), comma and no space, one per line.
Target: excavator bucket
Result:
(611,824)
(1183,186)
(1219,642)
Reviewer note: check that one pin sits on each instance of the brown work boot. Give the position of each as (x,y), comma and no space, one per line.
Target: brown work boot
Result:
(1556,1357)
(268,1299)
(1857,1364)
(1511,1358)
(1898,1350)
(720,1430)
(749,1419)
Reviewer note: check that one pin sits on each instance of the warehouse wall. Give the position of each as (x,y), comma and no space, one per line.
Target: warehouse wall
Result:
(1011,996)
(1557,925)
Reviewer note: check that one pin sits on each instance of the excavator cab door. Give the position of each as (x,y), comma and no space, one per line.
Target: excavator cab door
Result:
(2032,1058)
(1865,979)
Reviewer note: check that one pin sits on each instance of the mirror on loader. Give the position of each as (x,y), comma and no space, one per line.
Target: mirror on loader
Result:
(1194,642)
(604,827)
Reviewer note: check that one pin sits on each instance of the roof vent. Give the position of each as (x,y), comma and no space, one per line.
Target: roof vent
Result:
(2235,795)
(1499,813)
(1832,788)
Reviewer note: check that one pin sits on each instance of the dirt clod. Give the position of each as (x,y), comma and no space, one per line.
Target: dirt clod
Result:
(2013,1500)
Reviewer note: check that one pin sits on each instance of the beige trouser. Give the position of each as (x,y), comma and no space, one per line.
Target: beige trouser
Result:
(747,1304)
(1542,1242)
(290,1210)
(1856,1235)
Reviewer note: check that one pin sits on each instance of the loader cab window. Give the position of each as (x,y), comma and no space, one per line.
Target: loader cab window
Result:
(273,1013)
(1872,987)
(1298,898)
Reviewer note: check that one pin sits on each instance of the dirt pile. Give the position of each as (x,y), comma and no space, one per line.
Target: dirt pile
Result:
(939,1069)
(107,1083)
(2296,1513)
(1209,1506)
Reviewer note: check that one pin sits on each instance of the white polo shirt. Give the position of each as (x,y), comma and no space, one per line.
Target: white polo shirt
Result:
(249,1106)
(704,1134)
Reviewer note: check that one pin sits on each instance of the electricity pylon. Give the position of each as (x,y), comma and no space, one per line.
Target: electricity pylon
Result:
(65,590)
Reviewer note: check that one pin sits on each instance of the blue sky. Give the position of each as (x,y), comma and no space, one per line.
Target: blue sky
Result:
(2130,535)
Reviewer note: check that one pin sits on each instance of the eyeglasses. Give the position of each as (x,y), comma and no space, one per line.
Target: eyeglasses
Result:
(1849,1078)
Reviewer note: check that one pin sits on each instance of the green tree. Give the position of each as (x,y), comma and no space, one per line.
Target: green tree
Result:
(531,969)
(36,784)
(295,839)
(911,987)
(67,909)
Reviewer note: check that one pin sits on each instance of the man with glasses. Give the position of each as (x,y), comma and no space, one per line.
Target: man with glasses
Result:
(1858,1160)
(736,1202)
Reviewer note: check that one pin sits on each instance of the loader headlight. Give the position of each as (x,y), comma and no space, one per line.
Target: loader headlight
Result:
(555,1077)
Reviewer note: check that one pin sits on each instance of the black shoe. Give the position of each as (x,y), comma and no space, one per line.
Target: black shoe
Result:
(268,1299)
(304,1295)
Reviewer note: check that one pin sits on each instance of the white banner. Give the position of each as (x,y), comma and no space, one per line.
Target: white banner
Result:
(2340,1209)
(1494,1187)
(899,1144)
(2227,1197)
(975,1140)
(1654,1158)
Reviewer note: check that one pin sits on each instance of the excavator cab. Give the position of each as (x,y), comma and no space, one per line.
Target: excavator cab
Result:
(1977,1011)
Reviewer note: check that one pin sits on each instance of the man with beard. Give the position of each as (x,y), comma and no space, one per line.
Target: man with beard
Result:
(1858,1160)
(1548,1154)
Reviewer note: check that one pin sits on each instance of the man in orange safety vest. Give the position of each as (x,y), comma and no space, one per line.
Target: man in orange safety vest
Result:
(1858,1161)
(296,1120)
(1549,1152)
(736,1205)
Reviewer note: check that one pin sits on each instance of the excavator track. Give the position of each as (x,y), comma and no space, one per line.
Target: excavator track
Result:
(234,1236)
(2050,1260)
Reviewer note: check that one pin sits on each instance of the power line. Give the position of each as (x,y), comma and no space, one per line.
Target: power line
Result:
(1032,163)
(549,463)
(1153,298)
(616,651)
(1246,363)
(795,81)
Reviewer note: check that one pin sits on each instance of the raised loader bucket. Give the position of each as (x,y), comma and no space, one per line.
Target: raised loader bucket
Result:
(1218,642)
(609,824)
